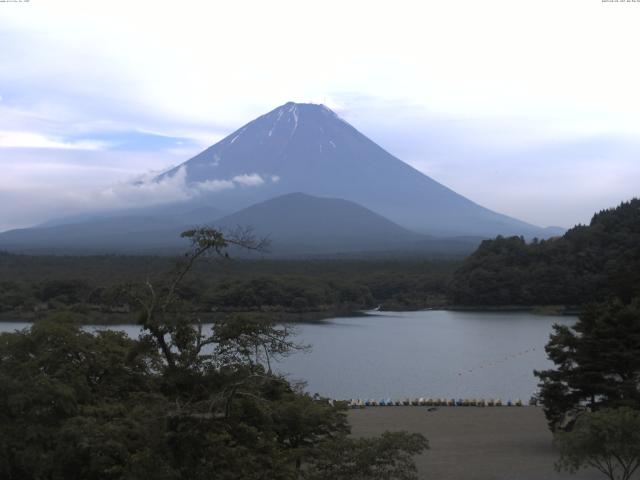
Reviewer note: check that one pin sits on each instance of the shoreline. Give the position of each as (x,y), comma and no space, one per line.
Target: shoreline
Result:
(551,310)
(101,318)
(318,316)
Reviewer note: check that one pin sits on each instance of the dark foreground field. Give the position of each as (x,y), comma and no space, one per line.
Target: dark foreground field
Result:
(474,443)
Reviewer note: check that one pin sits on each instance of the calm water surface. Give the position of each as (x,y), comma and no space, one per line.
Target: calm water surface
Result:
(427,353)
(413,354)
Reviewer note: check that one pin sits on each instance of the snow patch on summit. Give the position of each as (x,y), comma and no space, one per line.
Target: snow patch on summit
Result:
(294,111)
(275,123)
(237,135)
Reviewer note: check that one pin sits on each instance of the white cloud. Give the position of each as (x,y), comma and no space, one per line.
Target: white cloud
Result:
(215,185)
(249,180)
(44,187)
(41,184)
(13,139)
(145,192)
(244,180)
(171,188)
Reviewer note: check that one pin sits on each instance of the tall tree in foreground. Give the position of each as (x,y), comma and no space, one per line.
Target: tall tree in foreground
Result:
(597,363)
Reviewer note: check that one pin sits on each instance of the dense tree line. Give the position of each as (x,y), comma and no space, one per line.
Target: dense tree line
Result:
(589,263)
(33,286)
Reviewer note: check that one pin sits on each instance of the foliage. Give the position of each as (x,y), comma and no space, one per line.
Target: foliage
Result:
(33,286)
(589,263)
(608,440)
(597,362)
(56,381)
(181,402)
(389,456)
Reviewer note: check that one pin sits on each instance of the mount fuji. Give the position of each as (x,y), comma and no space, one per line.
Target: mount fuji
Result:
(300,174)
(302,147)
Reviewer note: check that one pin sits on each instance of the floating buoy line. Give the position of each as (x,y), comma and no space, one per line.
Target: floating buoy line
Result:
(434,402)
(448,402)
(496,362)
(428,402)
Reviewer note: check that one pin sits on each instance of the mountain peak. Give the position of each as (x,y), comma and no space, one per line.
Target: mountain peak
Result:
(304,105)
(298,108)
(306,147)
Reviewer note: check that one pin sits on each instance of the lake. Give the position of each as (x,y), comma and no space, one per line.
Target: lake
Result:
(431,353)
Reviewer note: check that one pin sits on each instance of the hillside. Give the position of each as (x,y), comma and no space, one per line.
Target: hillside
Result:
(301,223)
(296,225)
(151,230)
(588,263)
(102,235)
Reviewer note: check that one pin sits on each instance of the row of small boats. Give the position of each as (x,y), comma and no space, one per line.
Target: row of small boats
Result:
(437,402)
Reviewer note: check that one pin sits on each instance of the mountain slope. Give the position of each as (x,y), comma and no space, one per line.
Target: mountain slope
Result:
(180,213)
(133,231)
(308,148)
(109,235)
(296,224)
(301,223)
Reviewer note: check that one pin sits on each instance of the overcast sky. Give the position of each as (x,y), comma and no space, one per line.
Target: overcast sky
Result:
(530,108)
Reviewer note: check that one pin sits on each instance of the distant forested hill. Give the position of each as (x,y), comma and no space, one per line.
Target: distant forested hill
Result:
(588,263)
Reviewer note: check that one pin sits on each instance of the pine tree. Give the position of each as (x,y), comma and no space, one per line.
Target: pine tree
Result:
(597,363)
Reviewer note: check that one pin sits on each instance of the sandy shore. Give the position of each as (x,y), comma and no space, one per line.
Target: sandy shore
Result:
(470,443)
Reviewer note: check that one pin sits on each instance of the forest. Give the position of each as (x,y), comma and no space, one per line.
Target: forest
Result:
(96,286)
(589,263)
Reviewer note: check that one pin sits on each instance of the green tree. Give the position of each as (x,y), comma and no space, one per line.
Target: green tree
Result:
(62,388)
(597,363)
(302,422)
(608,440)
(180,402)
(387,457)
(588,263)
